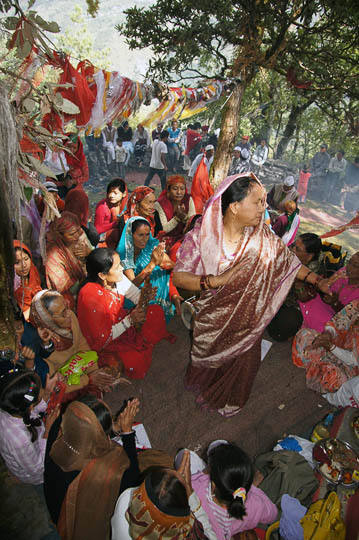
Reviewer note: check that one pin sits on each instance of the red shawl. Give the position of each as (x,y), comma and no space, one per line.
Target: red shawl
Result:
(77,202)
(201,188)
(27,290)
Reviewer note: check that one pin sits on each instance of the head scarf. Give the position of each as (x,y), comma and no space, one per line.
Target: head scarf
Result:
(40,317)
(76,159)
(77,202)
(55,238)
(90,499)
(147,518)
(137,196)
(165,202)
(24,292)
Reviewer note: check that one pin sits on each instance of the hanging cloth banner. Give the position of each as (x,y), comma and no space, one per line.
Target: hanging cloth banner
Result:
(352,225)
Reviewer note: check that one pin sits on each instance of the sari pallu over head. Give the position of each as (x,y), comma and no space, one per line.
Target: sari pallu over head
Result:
(25,291)
(167,205)
(232,318)
(41,318)
(159,278)
(82,445)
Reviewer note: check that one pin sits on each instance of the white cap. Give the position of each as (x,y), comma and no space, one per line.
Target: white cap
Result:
(244,153)
(50,186)
(289,181)
(237,148)
(209,147)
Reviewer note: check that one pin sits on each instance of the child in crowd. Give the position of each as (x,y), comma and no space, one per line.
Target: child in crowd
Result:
(22,434)
(121,155)
(228,491)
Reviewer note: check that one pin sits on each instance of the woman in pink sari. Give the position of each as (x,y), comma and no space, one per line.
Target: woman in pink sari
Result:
(244,272)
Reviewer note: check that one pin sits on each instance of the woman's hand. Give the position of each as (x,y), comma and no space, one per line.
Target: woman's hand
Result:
(323,285)
(27,353)
(80,250)
(180,212)
(50,385)
(177,300)
(138,315)
(157,255)
(128,415)
(102,379)
(322,340)
(50,419)
(184,472)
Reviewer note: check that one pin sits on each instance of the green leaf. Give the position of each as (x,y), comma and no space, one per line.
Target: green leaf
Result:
(11,23)
(31,3)
(25,50)
(41,167)
(29,104)
(47,26)
(68,107)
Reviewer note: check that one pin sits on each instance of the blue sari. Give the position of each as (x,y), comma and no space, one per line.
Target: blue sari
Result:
(159,278)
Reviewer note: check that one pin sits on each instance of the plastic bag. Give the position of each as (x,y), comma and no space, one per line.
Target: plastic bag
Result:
(297,444)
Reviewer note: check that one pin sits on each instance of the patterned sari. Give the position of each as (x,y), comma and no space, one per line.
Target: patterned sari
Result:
(230,321)
(159,278)
(324,371)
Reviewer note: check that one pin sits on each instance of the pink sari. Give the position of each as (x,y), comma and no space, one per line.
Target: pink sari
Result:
(231,320)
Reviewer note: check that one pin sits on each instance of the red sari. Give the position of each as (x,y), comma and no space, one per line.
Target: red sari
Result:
(25,289)
(77,162)
(176,234)
(98,309)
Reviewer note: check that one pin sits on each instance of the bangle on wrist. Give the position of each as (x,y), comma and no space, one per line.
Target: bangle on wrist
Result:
(317,280)
(47,347)
(202,282)
(306,275)
(207,281)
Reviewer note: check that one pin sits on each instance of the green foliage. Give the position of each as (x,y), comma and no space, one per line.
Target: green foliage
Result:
(78,42)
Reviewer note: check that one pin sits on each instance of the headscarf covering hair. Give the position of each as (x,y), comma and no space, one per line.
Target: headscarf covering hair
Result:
(82,445)
(147,518)
(136,197)
(25,291)
(41,317)
(77,203)
(175,179)
(55,238)
(76,159)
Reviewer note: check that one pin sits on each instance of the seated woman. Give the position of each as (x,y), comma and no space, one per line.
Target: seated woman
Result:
(67,248)
(26,279)
(83,446)
(289,318)
(143,256)
(114,332)
(163,506)
(109,213)
(77,202)
(174,208)
(56,476)
(286,225)
(189,226)
(142,203)
(62,336)
(22,433)
(229,494)
(330,358)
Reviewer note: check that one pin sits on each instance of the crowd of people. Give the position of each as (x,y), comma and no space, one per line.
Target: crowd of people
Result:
(90,312)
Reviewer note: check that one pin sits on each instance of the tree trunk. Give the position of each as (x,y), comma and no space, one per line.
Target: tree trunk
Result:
(8,187)
(228,135)
(290,128)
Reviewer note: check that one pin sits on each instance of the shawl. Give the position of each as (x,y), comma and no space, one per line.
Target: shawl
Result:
(168,208)
(25,291)
(76,159)
(77,202)
(91,498)
(137,196)
(280,196)
(147,518)
(232,318)
(41,318)
(58,253)
(201,189)
(159,277)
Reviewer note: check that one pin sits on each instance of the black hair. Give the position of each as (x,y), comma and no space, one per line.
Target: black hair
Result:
(230,468)
(190,126)
(116,183)
(356,160)
(312,243)
(237,191)
(99,260)
(193,222)
(164,134)
(47,300)
(19,389)
(27,251)
(137,223)
(17,312)
(197,125)
(341,152)
(102,412)
(167,489)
